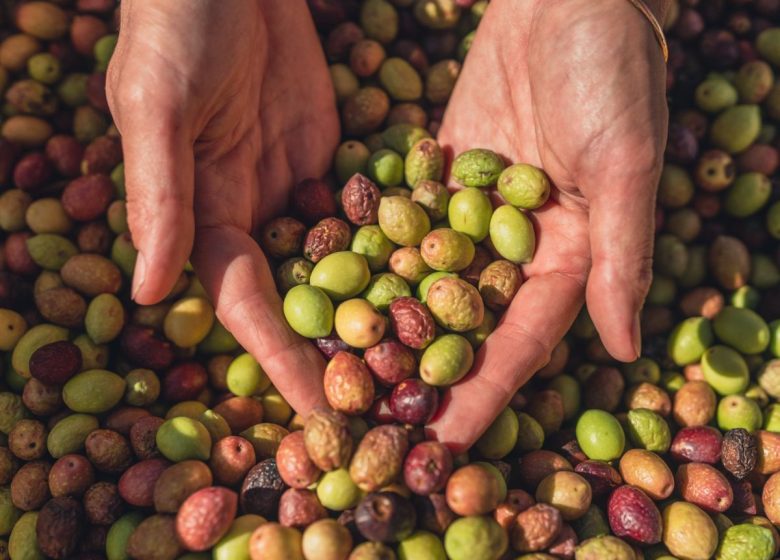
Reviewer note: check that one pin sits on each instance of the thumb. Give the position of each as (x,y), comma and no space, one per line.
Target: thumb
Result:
(146,102)
(159,171)
(621,238)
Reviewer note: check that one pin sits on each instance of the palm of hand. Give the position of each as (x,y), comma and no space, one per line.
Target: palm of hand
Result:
(536,90)
(273,126)
(243,99)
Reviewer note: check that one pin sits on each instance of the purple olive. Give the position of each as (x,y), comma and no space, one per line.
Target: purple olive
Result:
(385,517)
(413,402)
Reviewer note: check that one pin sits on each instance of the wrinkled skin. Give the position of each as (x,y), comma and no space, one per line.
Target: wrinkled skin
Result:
(600,139)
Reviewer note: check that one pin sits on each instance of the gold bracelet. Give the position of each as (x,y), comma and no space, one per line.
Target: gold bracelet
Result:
(657,29)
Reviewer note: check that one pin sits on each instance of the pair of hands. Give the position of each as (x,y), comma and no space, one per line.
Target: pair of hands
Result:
(223,106)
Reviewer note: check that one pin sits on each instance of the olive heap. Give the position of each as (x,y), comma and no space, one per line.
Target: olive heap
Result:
(146,432)
(395,241)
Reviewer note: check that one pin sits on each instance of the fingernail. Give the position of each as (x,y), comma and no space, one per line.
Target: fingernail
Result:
(636,336)
(139,274)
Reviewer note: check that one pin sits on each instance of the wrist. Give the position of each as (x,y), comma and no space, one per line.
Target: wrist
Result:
(656,20)
(660,8)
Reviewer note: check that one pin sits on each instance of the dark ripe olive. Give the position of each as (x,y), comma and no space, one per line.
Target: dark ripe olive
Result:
(385,517)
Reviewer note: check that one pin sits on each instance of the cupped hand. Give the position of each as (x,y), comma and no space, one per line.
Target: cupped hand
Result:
(222,105)
(575,87)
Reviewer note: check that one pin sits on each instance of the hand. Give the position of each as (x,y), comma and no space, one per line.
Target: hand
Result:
(223,105)
(577,88)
